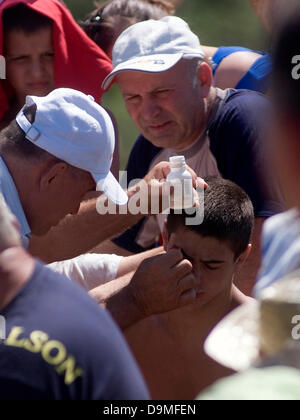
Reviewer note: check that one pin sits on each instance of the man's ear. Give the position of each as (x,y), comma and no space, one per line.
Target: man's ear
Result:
(52,175)
(243,257)
(205,77)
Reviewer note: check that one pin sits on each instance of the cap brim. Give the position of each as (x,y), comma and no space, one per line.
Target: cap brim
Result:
(149,64)
(234,342)
(111,188)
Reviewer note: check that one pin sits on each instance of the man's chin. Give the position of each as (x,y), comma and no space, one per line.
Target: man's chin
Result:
(166,142)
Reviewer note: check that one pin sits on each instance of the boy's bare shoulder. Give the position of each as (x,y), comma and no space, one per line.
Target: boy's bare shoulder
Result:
(238,298)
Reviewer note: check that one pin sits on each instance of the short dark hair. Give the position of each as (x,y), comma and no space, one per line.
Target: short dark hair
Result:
(228,215)
(13,140)
(23,18)
(286,88)
(100,25)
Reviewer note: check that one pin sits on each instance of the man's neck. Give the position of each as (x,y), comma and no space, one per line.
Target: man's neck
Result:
(207,107)
(16,267)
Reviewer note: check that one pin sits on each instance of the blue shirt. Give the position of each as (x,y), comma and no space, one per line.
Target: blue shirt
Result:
(11,196)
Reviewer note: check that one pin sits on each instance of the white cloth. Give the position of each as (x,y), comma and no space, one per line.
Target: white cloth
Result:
(89,270)
(12,199)
(280,248)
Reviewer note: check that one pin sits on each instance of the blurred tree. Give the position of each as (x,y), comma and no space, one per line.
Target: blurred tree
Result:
(216,22)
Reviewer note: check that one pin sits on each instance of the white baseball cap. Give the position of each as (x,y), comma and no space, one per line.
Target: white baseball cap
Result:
(73,127)
(153,46)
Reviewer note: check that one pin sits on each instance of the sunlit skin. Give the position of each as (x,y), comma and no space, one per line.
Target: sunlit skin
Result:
(213,263)
(168,108)
(29,63)
(169,346)
(59,191)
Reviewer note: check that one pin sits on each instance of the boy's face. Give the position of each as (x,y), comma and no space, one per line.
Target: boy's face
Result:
(213,262)
(29,63)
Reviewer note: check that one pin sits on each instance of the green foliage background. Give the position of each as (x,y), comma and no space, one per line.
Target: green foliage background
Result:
(216,22)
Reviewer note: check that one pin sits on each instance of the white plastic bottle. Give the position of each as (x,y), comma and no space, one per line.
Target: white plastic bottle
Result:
(181,196)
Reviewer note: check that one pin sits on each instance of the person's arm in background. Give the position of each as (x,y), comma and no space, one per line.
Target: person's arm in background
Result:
(232,69)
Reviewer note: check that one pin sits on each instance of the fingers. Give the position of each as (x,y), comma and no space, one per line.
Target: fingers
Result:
(171,242)
(196,199)
(188,287)
(172,257)
(165,237)
(182,269)
(187,297)
(161,170)
(194,176)
(188,282)
(201,183)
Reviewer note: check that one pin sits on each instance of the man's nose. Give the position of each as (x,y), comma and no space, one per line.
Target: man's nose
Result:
(37,68)
(150,109)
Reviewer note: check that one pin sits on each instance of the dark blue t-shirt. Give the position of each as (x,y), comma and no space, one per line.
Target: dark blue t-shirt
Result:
(238,146)
(60,345)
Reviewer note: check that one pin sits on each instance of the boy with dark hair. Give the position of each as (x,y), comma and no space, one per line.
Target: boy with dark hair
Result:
(228,215)
(44,49)
(169,347)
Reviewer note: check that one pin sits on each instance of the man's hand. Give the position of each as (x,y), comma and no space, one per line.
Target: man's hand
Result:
(163,283)
(161,170)
(154,191)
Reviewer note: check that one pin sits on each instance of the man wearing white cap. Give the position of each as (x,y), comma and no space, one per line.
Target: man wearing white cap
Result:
(57,150)
(68,142)
(167,88)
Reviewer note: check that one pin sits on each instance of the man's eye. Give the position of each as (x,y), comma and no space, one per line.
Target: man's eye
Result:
(19,59)
(131,99)
(163,92)
(212,266)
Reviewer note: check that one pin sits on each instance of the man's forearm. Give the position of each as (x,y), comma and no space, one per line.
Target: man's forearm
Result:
(79,233)
(116,298)
(130,263)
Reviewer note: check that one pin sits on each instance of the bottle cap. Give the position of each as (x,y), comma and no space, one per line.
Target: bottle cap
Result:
(177,161)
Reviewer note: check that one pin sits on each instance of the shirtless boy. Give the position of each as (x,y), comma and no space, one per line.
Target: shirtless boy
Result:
(169,347)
